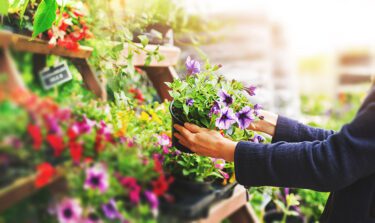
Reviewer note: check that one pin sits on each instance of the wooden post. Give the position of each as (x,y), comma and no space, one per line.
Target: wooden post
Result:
(39,62)
(91,81)
(158,77)
(10,79)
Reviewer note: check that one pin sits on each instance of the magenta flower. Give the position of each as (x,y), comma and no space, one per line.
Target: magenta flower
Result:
(69,211)
(224,174)
(52,124)
(225,98)
(110,210)
(192,66)
(189,102)
(226,119)
(251,90)
(97,178)
(85,125)
(152,199)
(219,163)
(165,142)
(244,117)
(215,109)
(134,189)
(105,130)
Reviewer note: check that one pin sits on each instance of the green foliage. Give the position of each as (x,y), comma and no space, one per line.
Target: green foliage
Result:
(45,16)
(4,6)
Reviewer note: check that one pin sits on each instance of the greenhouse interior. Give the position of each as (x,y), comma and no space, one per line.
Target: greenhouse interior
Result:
(258,111)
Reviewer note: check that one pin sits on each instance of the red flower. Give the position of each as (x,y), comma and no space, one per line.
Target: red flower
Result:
(45,172)
(161,185)
(57,144)
(36,135)
(73,132)
(76,151)
(158,167)
(137,94)
(68,43)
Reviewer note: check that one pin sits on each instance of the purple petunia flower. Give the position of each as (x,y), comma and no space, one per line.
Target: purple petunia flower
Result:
(251,90)
(219,163)
(190,102)
(152,199)
(257,107)
(53,124)
(225,98)
(226,119)
(244,117)
(97,178)
(110,210)
(69,211)
(215,109)
(258,139)
(192,66)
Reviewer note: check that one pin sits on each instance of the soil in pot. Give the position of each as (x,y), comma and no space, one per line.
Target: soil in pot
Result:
(176,120)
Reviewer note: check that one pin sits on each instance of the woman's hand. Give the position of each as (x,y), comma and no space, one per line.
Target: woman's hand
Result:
(205,142)
(267,124)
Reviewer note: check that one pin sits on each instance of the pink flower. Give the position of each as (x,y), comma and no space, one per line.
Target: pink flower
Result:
(219,163)
(97,178)
(69,211)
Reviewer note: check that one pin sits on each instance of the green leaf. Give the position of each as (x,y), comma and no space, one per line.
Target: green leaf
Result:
(186,109)
(143,39)
(118,47)
(23,9)
(148,60)
(45,16)
(4,6)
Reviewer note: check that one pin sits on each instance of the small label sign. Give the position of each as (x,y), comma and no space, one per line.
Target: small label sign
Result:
(54,76)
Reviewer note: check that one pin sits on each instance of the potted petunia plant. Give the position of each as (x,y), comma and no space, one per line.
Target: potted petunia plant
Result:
(210,101)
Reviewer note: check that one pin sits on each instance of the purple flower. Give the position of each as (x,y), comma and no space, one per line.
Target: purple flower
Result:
(224,174)
(192,66)
(257,107)
(244,117)
(258,139)
(69,211)
(226,119)
(152,199)
(110,210)
(190,102)
(251,90)
(215,109)
(225,98)
(53,124)
(97,178)
(164,140)
(219,163)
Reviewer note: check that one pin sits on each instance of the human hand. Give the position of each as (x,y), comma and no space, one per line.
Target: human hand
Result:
(267,124)
(205,142)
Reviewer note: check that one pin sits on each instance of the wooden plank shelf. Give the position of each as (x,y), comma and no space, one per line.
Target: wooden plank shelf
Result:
(5,38)
(38,46)
(24,187)
(171,55)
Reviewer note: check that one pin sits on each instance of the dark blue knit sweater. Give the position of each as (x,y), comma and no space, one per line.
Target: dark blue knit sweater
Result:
(304,157)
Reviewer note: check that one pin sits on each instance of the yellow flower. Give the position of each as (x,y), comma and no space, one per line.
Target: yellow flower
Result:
(232,178)
(144,116)
(155,117)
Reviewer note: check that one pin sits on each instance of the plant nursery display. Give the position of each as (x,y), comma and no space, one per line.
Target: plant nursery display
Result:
(89,159)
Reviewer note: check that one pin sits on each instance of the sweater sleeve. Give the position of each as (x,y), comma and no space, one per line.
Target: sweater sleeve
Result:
(326,165)
(289,130)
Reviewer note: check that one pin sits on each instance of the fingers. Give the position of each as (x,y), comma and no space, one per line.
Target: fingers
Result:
(182,140)
(184,132)
(193,128)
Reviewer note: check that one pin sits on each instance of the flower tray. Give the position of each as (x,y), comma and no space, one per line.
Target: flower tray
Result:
(191,206)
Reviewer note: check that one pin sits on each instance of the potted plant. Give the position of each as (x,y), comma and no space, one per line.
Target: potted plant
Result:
(210,101)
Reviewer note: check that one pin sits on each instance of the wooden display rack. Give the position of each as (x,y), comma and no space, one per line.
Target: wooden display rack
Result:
(158,72)
(40,49)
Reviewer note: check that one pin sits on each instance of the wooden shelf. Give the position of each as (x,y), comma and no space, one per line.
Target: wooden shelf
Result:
(23,188)
(5,38)
(171,55)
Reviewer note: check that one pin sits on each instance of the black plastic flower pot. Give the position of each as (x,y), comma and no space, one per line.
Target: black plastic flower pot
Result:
(191,187)
(176,120)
